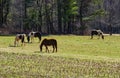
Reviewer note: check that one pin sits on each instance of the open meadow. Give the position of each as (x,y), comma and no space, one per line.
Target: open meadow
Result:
(77,57)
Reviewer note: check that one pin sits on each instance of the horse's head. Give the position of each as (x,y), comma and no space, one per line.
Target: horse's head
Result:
(28,38)
(102,36)
(41,48)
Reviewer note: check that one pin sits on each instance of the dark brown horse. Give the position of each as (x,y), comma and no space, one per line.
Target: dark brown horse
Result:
(49,42)
(97,32)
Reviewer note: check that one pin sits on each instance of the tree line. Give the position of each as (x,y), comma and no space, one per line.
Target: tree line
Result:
(49,16)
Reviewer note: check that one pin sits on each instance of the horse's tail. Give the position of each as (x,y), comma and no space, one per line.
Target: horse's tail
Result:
(39,37)
(91,34)
(56,45)
(23,39)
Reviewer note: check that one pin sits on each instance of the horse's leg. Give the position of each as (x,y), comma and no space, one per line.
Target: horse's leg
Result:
(56,47)
(98,36)
(91,36)
(17,43)
(39,39)
(23,44)
(31,39)
(53,48)
(47,49)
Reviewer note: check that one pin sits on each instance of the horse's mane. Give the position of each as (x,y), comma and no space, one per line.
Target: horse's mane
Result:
(42,43)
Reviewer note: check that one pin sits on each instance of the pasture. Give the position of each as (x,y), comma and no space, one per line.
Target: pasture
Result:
(77,57)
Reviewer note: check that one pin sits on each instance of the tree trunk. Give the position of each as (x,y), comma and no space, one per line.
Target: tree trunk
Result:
(7,2)
(47,17)
(82,28)
(1,13)
(110,18)
(59,16)
(69,30)
(39,4)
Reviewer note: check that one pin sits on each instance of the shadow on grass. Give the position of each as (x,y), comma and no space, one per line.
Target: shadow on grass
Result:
(42,52)
(37,52)
(13,46)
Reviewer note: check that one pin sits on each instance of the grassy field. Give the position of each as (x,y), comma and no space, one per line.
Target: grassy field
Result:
(77,57)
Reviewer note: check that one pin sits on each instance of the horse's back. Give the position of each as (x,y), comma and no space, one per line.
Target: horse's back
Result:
(96,32)
(34,34)
(50,41)
(37,34)
(54,40)
(20,36)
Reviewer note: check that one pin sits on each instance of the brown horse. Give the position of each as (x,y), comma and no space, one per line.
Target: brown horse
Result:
(49,42)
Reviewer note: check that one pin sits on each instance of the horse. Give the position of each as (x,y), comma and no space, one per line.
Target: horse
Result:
(49,42)
(97,32)
(31,36)
(19,37)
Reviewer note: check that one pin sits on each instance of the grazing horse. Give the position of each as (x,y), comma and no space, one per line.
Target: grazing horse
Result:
(19,37)
(49,42)
(31,36)
(97,32)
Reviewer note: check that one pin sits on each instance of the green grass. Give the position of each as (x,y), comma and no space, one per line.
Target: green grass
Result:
(77,57)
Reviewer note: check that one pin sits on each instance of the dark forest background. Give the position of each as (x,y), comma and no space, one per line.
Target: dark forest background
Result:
(59,16)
